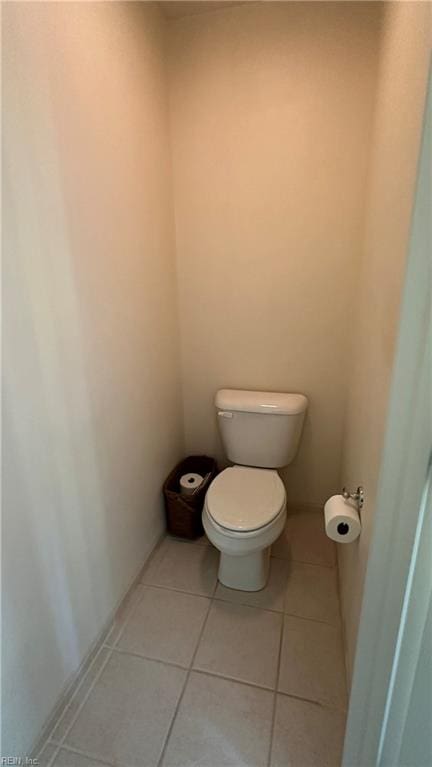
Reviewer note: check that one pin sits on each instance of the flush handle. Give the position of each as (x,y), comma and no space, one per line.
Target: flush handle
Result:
(224,414)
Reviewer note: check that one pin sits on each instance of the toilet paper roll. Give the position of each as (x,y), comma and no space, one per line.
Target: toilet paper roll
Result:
(190,482)
(342,521)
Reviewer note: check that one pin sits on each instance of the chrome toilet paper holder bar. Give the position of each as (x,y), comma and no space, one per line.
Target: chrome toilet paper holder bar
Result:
(358,496)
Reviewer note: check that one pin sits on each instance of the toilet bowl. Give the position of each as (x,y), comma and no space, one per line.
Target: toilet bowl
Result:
(245,506)
(244,513)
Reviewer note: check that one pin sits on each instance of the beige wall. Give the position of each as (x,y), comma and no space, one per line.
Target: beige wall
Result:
(403,65)
(271,109)
(92,417)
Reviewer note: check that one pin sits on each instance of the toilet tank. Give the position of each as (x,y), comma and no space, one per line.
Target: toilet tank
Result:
(260,428)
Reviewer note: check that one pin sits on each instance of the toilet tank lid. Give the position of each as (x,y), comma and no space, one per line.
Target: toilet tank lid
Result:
(269,402)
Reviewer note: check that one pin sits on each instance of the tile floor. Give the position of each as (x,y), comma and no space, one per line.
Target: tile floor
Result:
(195,674)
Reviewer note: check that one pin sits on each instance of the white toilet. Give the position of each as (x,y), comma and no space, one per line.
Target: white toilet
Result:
(245,506)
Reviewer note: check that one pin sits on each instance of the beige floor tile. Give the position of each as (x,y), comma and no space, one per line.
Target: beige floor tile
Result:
(87,681)
(312,663)
(304,540)
(220,724)
(240,642)
(311,592)
(165,625)
(306,735)
(270,598)
(66,758)
(126,718)
(184,566)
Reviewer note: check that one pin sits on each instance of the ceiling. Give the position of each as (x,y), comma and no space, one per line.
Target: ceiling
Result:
(176,9)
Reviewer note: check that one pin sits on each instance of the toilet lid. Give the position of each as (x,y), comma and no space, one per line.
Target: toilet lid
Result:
(241,498)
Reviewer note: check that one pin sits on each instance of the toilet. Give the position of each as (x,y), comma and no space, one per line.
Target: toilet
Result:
(245,505)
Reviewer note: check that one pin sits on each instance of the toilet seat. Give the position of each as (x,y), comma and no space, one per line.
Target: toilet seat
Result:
(244,499)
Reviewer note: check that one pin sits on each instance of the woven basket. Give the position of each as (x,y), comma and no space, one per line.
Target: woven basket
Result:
(183,512)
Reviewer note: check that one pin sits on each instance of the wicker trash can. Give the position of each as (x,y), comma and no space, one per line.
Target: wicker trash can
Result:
(183,512)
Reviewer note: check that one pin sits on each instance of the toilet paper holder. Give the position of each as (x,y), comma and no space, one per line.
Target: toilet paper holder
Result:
(358,496)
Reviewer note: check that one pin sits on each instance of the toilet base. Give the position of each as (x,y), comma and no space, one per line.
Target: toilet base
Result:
(249,572)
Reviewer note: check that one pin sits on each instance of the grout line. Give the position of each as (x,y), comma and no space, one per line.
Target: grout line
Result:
(54,756)
(228,678)
(320,703)
(303,562)
(273,719)
(179,591)
(275,690)
(92,755)
(70,693)
(277,612)
(213,596)
(72,698)
(121,651)
(107,645)
(88,755)
(246,604)
(61,744)
(215,675)
(312,620)
(84,700)
(54,742)
(272,556)
(218,675)
(72,689)
(210,674)
(197,670)
(170,728)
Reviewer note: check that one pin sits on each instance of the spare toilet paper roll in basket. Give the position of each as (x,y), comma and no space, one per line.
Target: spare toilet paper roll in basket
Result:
(190,482)
(342,521)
